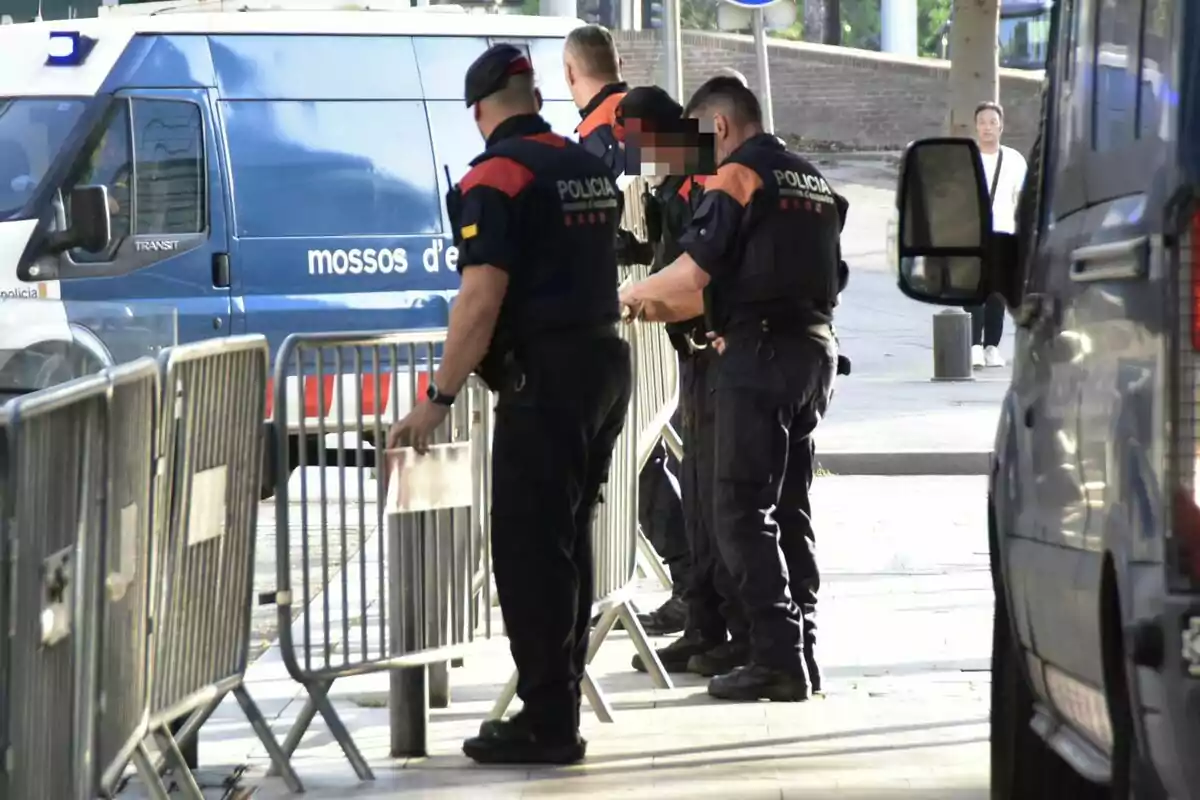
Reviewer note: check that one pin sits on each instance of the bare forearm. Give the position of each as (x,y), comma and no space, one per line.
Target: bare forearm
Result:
(472,323)
(676,308)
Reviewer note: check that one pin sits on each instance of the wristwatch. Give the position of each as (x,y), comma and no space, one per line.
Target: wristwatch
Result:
(436,396)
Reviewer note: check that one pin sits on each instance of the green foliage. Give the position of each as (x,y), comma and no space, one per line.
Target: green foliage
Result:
(860,22)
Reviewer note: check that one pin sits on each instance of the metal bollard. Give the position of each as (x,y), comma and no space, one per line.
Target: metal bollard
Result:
(952,346)
(408,698)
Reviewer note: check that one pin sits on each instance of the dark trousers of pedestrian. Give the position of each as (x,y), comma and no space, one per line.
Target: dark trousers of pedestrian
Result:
(714,608)
(551,453)
(769,400)
(661,514)
(987,322)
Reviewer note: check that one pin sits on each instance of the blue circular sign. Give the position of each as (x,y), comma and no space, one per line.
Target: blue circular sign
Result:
(752,3)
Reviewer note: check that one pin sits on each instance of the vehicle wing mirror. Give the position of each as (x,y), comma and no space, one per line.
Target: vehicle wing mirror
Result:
(91,222)
(943,224)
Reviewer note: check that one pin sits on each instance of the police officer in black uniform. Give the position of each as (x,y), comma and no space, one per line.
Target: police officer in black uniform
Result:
(593,72)
(535,222)
(592,68)
(657,132)
(763,247)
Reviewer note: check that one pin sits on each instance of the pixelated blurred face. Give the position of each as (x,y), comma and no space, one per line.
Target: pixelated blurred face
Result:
(664,150)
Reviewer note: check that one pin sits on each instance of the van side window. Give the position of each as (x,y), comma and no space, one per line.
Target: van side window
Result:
(305,169)
(168,139)
(151,159)
(1155,55)
(1116,93)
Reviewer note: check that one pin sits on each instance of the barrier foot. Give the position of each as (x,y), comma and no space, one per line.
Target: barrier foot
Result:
(278,759)
(505,699)
(179,768)
(149,773)
(439,685)
(595,697)
(649,561)
(299,728)
(637,633)
(188,733)
(408,712)
(318,701)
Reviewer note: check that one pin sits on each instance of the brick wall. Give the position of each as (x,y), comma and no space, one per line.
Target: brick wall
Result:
(855,98)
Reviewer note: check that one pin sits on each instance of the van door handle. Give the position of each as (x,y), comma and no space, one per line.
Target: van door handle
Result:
(220,270)
(1111,261)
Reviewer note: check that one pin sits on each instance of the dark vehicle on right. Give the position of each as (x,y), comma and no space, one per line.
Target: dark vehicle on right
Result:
(1093,508)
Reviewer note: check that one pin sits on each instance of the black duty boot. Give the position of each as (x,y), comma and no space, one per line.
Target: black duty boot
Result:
(676,656)
(513,741)
(669,618)
(754,682)
(721,660)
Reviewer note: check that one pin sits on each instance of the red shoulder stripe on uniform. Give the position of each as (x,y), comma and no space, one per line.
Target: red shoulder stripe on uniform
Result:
(736,180)
(501,174)
(701,179)
(685,188)
(605,114)
(552,139)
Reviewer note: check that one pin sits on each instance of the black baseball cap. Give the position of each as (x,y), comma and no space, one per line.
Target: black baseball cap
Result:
(651,105)
(491,71)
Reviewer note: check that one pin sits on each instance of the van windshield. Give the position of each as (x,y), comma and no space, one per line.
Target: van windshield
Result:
(32,132)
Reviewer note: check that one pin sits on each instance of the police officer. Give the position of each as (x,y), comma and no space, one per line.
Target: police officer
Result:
(658,134)
(593,71)
(763,247)
(536,317)
(592,68)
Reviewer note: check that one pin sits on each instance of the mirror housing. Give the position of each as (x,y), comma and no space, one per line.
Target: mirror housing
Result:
(91,222)
(943,246)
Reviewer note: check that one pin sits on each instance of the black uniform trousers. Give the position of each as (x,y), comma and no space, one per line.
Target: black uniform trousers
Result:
(661,514)
(551,452)
(771,394)
(714,608)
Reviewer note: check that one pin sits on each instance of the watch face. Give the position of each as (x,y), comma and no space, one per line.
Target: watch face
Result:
(431,391)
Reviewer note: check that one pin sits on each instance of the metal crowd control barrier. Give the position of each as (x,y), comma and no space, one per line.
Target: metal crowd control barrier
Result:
(116,515)
(661,387)
(52,522)
(208,476)
(356,595)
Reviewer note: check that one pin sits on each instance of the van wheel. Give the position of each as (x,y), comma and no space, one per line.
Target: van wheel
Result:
(1023,765)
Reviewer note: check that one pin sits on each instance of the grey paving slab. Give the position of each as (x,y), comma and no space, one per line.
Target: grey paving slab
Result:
(905,631)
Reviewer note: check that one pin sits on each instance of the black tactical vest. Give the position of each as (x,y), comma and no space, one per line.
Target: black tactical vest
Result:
(567,227)
(787,246)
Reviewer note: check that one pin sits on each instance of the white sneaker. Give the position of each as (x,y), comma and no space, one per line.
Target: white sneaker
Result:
(976,356)
(992,357)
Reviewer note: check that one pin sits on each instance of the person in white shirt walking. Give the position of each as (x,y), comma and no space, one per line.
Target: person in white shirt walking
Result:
(1004,169)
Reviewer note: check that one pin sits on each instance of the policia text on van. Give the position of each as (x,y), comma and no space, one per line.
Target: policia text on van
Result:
(1093,508)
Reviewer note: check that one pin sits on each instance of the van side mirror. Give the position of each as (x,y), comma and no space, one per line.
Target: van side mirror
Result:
(944,225)
(91,222)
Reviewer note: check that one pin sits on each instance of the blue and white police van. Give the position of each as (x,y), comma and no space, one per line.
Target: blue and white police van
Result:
(258,172)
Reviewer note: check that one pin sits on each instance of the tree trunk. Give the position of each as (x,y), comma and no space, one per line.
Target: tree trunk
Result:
(814,20)
(974,66)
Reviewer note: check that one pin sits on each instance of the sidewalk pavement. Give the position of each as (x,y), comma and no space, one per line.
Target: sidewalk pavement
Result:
(888,416)
(905,642)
